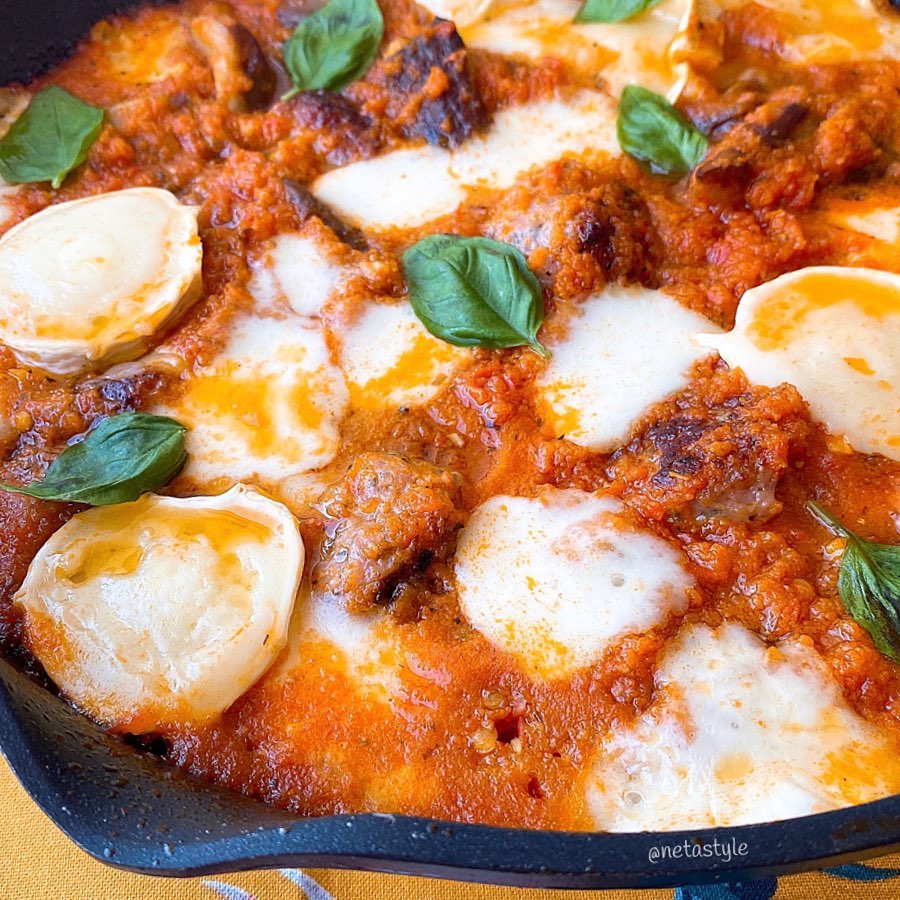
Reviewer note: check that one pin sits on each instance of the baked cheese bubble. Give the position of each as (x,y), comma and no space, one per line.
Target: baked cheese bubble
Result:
(166,609)
(737,733)
(555,579)
(833,333)
(589,392)
(267,407)
(390,360)
(87,283)
(409,187)
(641,50)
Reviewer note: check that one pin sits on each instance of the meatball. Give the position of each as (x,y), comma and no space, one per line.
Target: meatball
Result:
(578,230)
(385,522)
(431,91)
(718,451)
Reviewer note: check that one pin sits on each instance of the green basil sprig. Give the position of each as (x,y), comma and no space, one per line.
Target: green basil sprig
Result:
(612,10)
(651,130)
(474,292)
(121,458)
(334,46)
(869,584)
(49,139)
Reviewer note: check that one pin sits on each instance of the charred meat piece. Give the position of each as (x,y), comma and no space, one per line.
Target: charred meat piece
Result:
(767,125)
(385,522)
(719,455)
(327,114)
(594,231)
(306,206)
(431,93)
(615,228)
(243,76)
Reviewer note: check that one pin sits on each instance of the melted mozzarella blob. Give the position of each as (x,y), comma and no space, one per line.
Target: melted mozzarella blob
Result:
(166,609)
(363,647)
(556,579)
(833,333)
(267,407)
(641,50)
(826,31)
(738,733)
(873,221)
(297,271)
(390,360)
(87,283)
(412,186)
(626,349)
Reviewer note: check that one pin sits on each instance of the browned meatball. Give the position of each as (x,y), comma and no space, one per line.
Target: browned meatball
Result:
(430,90)
(386,521)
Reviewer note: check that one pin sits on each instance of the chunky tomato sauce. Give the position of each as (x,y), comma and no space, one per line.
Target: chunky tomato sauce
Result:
(722,470)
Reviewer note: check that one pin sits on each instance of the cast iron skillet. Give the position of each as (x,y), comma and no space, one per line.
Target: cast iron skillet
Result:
(132,811)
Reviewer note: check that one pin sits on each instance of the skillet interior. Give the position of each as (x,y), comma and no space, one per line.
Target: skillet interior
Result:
(129,810)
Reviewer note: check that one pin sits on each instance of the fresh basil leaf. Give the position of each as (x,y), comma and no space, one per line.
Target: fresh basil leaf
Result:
(121,458)
(612,10)
(334,46)
(869,584)
(49,139)
(651,130)
(474,292)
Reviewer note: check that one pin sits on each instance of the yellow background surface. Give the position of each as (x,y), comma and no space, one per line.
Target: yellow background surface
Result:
(38,863)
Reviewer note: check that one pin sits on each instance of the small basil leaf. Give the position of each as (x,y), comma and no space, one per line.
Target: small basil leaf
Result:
(651,130)
(334,46)
(869,585)
(474,292)
(120,459)
(49,139)
(612,10)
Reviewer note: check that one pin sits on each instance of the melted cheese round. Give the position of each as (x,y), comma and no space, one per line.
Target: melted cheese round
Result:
(87,283)
(390,360)
(738,733)
(833,333)
(641,50)
(826,31)
(556,579)
(166,609)
(267,407)
(625,349)
(412,186)
(296,271)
